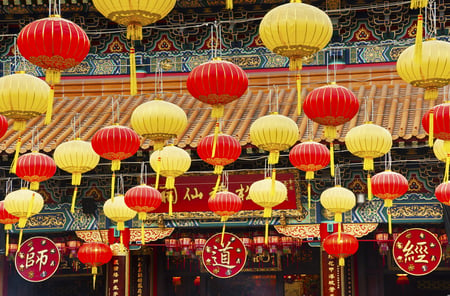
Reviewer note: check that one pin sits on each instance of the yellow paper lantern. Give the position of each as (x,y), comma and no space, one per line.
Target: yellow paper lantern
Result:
(296,30)
(338,200)
(23,97)
(23,203)
(274,133)
(368,141)
(431,71)
(76,157)
(118,211)
(440,150)
(159,121)
(261,193)
(170,162)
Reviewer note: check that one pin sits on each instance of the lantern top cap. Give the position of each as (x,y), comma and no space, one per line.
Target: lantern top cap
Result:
(55,15)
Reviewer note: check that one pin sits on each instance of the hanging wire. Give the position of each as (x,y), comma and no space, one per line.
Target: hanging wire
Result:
(388,161)
(143,173)
(120,188)
(337,176)
(9,186)
(112,110)
(159,89)
(334,66)
(430,19)
(225,181)
(34,139)
(327,59)
(56,4)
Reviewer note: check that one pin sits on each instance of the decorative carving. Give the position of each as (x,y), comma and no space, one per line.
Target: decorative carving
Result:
(313,230)
(151,234)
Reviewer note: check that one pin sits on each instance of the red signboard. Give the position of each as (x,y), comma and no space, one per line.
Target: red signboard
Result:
(331,275)
(38,259)
(417,251)
(192,192)
(225,257)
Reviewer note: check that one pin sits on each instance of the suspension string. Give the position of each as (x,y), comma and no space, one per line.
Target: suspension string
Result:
(112,111)
(143,173)
(337,176)
(327,59)
(225,179)
(219,31)
(334,65)
(9,186)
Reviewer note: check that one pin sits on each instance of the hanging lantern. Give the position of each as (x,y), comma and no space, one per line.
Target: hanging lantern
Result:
(248,243)
(35,167)
(388,186)
(55,44)
(159,121)
(3,125)
(435,123)
(217,83)
(94,255)
(225,204)
(430,71)
(219,151)
(259,243)
(296,30)
(442,193)
(143,199)
(331,105)
(274,243)
(287,242)
(267,193)
(309,157)
(22,97)
(75,157)
(170,162)
(382,241)
(8,220)
(134,15)
(172,246)
(439,150)
(115,143)
(23,203)
(185,244)
(118,211)
(338,200)
(340,245)
(274,133)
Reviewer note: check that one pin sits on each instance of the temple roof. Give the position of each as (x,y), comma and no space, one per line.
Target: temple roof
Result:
(86,103)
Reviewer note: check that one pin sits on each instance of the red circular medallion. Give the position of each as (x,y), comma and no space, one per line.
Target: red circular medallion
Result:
(225,257)
(417,251)
(38,259)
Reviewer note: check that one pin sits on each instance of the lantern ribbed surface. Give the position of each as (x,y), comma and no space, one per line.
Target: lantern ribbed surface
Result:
(442,193)
(35,167)
(368,141)
(118,211)
(23,203)
(439,150)
(274,133)
(159,121)
(309,157)
(441,118)
(295,30)
(225,204)
(261,193)
(23,97)
(340,245)
(115,143)
(432,72)
(94,254)
(227,150)
(389,185)
(5,217)
(174,161)
(331,105)
(3,125)
(338,200)
(53,43)
(76,157)
(217,82)
(143,199)
(134,14)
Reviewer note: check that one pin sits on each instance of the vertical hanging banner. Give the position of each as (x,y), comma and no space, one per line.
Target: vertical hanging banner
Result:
(118,272)
(417,251)
(38,259)
(224,257)
(331,275)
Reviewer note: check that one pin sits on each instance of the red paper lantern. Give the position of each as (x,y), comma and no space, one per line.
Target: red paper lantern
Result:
(217,83)
(227,150)
(442,193)
(94,254)
(115,143)
(331,105)
(54,44)
(388,186)
(35,167)
(402,279)
(225,204)
(340,245)
(3,125)
(309,157)
(440,120)
(7,219)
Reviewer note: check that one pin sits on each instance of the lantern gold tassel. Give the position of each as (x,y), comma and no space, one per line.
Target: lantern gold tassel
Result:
(16,155)
(158,169)
(223,233)
(113,185)
(330,132)
(20,240)
(266,233)
(19,125)
(218,169)
(419,40)
(217,111)
(228,4)
(142,232)
(274,178)
(299,94)
(94,275)
(74,198)
(295,63)
(267,212)
(309,195)
(133,79)
(419,4)
(309,175)
(332,159)
(388,205)
(274,156)
(216,134)
(341,261)
(134,31)
(369,187)
(158,144)
(368,164)
(431,93)
(49,113)
(170,182)
(34,186)
(115,165)
(431,129)
(170,203)
(447,162)
(216,187)
(7,228)
(52,76)
(338,217)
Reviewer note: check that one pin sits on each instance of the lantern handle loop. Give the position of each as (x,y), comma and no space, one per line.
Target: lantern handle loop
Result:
(225,180)
(337,176)
(34,140)
(388,161)
(143,173)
